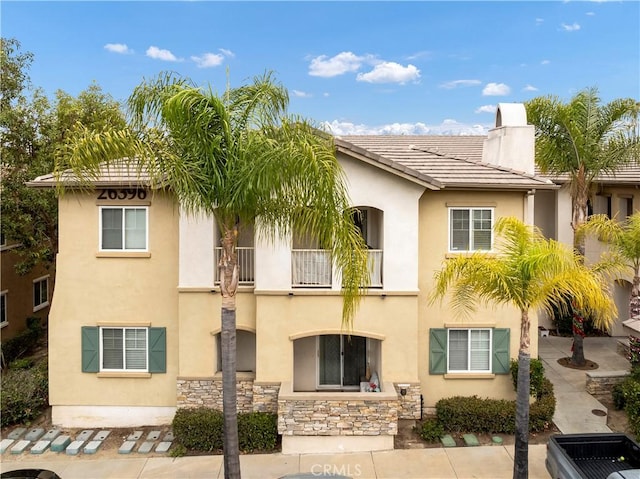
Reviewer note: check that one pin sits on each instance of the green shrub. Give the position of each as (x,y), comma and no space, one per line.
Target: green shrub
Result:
(430,430)
(22,363)
(198,429)
(257,431)
(536,375)
(23,343)
(24,394)
(473,414)
(201,429)
(617,394)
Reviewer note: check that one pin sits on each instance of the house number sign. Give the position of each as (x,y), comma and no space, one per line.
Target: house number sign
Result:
(122,194)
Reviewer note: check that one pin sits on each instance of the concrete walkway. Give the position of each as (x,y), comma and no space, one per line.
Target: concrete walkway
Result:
(573,414)
(574,405)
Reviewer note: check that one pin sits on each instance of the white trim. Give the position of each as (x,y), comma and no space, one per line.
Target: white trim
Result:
(123,208)
(44,304)
(489,370)
(4,295)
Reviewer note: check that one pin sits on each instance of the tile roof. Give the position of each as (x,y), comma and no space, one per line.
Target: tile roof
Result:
(441,161)
(629,175)
(122,173)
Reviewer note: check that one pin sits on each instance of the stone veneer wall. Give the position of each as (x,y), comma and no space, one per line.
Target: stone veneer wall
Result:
(336,417)
(207,392)
(265,397)
(410,404)
(602,382)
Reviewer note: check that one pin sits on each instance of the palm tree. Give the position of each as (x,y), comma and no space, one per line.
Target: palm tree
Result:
(529,273)
(623,239)
(583,139)
(241,159)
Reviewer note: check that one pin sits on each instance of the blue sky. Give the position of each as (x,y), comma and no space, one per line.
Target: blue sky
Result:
(360,67)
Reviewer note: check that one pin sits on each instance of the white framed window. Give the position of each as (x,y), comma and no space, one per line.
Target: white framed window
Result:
(124,349)
(469,350)
(124,228)
(40,293)
(470,229)
(4,321)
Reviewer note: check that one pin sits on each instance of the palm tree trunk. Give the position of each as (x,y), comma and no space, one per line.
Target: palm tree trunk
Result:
(634,301)
(577,348)
(228,286)
(579,216)
(521,458)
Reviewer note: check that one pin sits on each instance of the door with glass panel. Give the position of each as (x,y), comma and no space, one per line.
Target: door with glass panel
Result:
(342,361)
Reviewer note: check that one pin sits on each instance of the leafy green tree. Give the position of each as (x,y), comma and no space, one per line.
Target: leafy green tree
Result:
(623,239)
(529,273)
(581,140)
(240,158)
(31,129)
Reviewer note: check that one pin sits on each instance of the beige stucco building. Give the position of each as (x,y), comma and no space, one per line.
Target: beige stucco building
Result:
(135,321)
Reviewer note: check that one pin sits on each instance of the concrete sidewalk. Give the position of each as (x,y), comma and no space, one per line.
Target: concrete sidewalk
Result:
(488,462)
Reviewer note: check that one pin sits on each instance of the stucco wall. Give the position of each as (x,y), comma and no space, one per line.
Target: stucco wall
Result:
(433,246)
(126,290)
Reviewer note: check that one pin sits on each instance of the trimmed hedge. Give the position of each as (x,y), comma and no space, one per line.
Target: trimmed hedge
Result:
(626,395)
(201,429)
(536,375)
(474,414)
(430,430)
(25,393)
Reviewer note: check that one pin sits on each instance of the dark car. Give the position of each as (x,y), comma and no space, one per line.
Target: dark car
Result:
(29,474)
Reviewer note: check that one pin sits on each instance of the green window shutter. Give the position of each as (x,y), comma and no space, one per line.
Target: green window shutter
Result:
(90,349)
(157,350)
(501,351)
(437,351)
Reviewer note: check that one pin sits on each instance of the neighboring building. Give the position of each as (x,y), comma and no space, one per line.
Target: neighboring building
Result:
(21,296)
(135,322)
(616,195)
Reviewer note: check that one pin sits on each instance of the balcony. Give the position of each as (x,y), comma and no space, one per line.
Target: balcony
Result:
(246,269)
(311,268)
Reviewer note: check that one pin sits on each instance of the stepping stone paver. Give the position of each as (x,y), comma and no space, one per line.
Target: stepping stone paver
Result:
(126,447)
(496,440)
(4,444)
(34,434)
(92,447)
(60,443)
(20,446)
(145,447)
(470,440)
(17,433)
(134,436)
(41,446)
(51,434)
(153,436)
(74,448)
(447,441)
(168,437)
(85,435)
(101,435)
(163,446)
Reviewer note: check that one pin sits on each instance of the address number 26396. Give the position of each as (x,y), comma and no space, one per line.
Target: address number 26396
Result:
(122,194)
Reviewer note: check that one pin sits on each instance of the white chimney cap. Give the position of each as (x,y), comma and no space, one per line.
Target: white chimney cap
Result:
(511,114)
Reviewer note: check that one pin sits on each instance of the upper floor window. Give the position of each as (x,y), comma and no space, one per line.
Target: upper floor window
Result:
(3,308)
(470,229)
(40,293)
(123,228)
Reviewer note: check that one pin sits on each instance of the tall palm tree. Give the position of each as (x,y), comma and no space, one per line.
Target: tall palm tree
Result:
(529,273)
(623,239)
(583,139)
(241,159)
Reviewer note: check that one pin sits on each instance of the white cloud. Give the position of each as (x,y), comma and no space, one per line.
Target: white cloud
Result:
(529,88)
(343,62)
(545,62)
(570,28)
(539,21)
(486,109)
(301,94)
(390,72)
(447,127)
(417,55)
(118,48)
(227,53)
(208,60)
(160,54)
(591,14)
(456,83)
(496,89)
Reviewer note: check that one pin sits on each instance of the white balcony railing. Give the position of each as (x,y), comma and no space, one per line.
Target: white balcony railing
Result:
(312,268)
(246,270)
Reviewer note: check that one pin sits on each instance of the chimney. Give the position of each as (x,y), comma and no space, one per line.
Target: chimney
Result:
(511,143)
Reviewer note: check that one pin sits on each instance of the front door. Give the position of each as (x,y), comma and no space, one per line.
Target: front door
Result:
(342,361)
